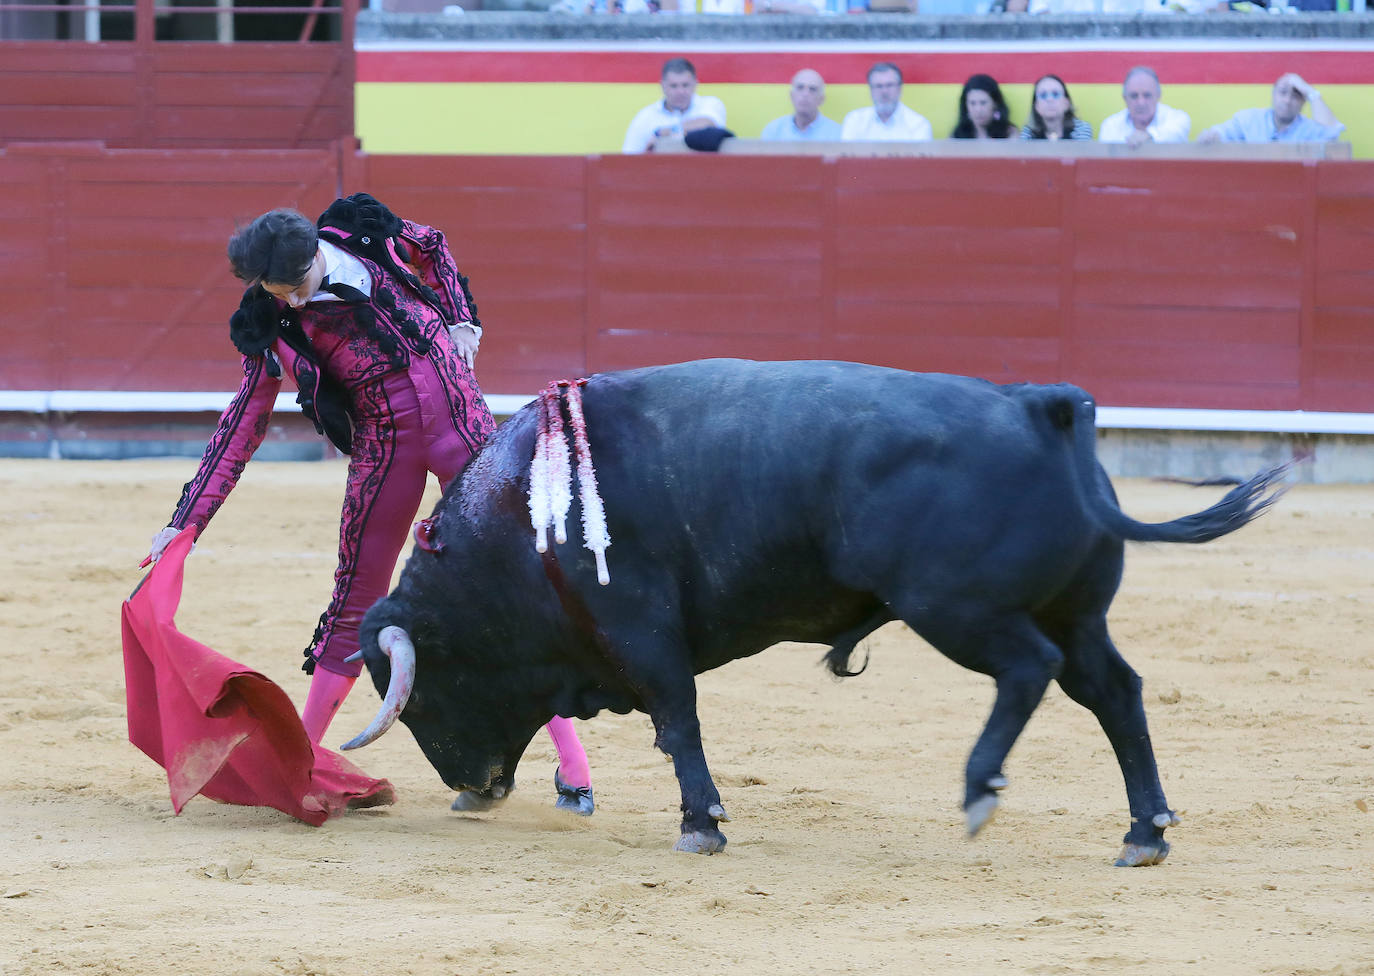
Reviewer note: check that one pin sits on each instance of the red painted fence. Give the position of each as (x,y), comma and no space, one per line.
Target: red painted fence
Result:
(186,91)
(1149,282)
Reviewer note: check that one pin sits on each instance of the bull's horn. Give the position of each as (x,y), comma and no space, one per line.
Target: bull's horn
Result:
(395,644)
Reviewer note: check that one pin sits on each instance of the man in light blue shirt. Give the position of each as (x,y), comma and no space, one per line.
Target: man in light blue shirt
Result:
(1284,122)
(806,121)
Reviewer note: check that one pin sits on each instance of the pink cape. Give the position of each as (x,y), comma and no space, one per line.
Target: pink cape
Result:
(218,728)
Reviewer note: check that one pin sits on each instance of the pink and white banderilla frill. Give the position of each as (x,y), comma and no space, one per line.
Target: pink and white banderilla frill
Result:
(551,476)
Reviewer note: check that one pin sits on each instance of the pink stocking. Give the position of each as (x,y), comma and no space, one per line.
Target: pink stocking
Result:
(572,759)
(327,692)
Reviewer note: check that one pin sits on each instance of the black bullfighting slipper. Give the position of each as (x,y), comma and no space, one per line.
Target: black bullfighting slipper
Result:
(574,799)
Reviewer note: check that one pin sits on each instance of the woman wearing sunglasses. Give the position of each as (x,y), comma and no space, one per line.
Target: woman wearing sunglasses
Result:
(1051,113)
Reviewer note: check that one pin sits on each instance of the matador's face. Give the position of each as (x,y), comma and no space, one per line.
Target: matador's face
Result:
(299,293)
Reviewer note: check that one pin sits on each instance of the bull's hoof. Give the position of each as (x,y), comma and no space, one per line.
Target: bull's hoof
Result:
(1150,847)
(574,799)
(475,801)
(700,842)
(1142,855)
(978,813)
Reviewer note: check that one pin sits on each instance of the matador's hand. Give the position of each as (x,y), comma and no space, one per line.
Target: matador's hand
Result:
(159,543)
(465,342)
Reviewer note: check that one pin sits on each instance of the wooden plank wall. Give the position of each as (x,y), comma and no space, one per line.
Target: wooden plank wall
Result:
(1160,283)
(177,95)
(517,227)
(954,268)
(1338,327)
(113,273)
(1189,281)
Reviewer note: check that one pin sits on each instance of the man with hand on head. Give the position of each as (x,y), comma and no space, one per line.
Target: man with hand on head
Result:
(1145,118)
(1284,122)
(806,121)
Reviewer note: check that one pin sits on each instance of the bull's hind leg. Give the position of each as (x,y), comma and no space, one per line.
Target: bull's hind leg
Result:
(1022,660)
(1097,677)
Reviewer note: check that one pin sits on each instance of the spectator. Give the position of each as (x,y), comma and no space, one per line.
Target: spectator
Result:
(1282,123)
(806,121)
(983,112)
(605,7)
(1145,118)
(887,119)
(1051,114)
(1091,7)
(681,111)
(793,6)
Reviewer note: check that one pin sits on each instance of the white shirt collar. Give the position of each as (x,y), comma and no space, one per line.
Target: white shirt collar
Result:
(342,268)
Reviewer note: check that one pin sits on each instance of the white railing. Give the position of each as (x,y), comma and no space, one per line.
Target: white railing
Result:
(1118,418)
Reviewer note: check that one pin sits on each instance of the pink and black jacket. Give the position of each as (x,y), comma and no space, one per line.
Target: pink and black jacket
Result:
(335,350)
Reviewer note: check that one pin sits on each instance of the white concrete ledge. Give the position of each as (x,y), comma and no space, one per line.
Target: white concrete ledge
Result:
(1263,421)
(105,401)
(504,404)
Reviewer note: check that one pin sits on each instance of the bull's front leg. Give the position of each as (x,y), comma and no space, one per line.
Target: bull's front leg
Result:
(701,806)
(654,664)
(499,787)
(679,735)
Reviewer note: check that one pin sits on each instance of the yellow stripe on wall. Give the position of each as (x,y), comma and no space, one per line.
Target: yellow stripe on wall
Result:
(576,119)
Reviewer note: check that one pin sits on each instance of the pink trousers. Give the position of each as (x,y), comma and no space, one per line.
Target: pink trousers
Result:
(401,435)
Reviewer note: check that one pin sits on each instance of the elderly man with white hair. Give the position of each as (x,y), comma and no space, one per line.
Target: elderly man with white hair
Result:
(1145,118)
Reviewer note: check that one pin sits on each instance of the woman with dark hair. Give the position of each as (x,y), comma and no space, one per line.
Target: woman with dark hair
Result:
(368,315)
(1051,114)
(983,111)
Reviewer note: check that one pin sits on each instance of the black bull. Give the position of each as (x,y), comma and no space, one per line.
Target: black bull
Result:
(751,503)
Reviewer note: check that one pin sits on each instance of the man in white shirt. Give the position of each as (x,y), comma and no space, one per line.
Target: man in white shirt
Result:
(806,122)
(887,119)
(1145,118)
(681,111)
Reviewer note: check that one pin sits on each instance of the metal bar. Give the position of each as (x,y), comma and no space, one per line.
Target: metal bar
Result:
(92,20)
(215,11)
(224,21)
(308,27)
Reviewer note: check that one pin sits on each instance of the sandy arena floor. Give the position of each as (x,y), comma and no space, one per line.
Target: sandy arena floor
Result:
(846,852)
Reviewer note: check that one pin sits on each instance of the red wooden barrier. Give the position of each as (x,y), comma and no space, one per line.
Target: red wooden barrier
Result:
(517,226)
(146,93)
(112,267)
(1150,283)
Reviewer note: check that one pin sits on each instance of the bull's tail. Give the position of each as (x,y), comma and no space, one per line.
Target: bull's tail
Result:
(1242,504)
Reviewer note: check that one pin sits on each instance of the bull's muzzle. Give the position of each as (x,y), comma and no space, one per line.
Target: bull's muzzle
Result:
(395,643)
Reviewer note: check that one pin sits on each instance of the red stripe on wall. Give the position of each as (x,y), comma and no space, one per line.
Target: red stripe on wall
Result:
(951,68)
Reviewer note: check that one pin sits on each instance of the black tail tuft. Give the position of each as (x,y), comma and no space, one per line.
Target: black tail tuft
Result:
(1239,506)
(1199,482)
(837,661)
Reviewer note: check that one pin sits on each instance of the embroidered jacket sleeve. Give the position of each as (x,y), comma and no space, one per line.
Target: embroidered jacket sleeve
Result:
(241,429)
(430,257)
